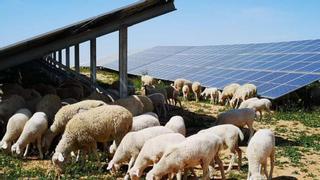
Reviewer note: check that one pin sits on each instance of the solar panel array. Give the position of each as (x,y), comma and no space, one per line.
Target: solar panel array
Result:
(275,68)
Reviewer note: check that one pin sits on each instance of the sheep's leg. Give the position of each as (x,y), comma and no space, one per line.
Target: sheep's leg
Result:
(264,166)
(211,170)
(251,131)
(220,167)
(178,175)
(39,147)
(239,157)
(164,110)
(26,151)
(205,169)
(232,160)
(272,157)
(131,163)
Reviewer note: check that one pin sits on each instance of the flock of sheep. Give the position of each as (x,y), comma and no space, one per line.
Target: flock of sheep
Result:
(64,125)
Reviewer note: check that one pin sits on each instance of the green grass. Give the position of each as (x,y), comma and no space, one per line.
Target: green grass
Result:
(312,141)
(310,119)
(291,152)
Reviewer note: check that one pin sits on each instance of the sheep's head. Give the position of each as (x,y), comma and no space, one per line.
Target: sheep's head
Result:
(58,159)
(113,166)
(5,146)
(134,173)
(152,176)
(257,176)
(16,149)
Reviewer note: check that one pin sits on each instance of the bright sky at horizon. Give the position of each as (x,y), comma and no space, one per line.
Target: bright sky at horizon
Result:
(205,22)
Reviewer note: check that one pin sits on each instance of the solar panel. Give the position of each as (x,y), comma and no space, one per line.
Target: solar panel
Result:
(275,68)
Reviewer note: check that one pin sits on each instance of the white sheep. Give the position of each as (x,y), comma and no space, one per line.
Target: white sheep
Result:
(140,122)
(251,88)
(260,105)
(131,145)
(179,83)
(213,93)
(260,147)
(196,89)
(63,116)
(239,118)
(136,104)
(176,124)
(84,130)
(148,80)
(14,128)
(229,135)
(32,132)
(228,92)
(199,149)
(243,93)
(152,151)
(49,104)
(159,103)
(245,103)
(185,92)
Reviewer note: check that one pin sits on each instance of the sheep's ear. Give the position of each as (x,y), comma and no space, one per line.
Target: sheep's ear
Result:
(60,157)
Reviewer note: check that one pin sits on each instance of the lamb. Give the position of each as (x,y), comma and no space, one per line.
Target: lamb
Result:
(213,93)
(228,92)
(252,89)
(131,145)
(148,80)
(260,105)
(172,94)
(14,128)
(261,146)
(152,151)
(159,103)
(229,135)
(176,124)
(84,130)
(63,116)
(179,83)
(49,104)
(199,149)
(243,93)
(196,88)
(140,122)
(245,103)
(136,104)
(32,132)
(185,92)
(238,117)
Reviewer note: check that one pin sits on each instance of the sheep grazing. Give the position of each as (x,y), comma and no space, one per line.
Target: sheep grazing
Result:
(14,128)
(63,116)
(229,135)
(70,89)
(196,88)
(252,89)
(243,93)
(228,92)
(179,83)
(261,146)
(11,89)
(185,92)
(49,104)
(32,132)
(44,89)
(176,124)
(136,104)
(32,98)
(148,80)
(159,103)
(239,118)
(173,95)
(199,149)
(84,130)
(148,90)
(260,105)
(213,93)
(131,145)
(152,151)
(245,103)
(100,96)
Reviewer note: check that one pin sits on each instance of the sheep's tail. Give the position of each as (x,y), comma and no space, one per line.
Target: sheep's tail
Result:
(240,134)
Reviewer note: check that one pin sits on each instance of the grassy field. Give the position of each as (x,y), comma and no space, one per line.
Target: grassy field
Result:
(297,140)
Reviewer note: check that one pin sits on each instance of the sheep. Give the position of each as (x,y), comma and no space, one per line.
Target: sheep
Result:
(243,93)
(32,98)
(131,145)
(261,146)
(213,93)
(32,132)
(136,104)
(196,88)
(49,104)
(84,130)
(229,134)
(185,92)
(152,151)
(173,94)
(44,89)
(148,80)
(238,117)
(260,105)
(100,96)
(178,83)
(14,128)
(245,103)
(251,88)
(176,124)
(199,149)
(11,89)
(63,116)
(8,107)
(159,103)
(68,101)
(148,90)
(228,92)
(70,89)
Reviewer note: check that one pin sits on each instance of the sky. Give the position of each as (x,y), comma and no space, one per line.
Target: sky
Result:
(195,22)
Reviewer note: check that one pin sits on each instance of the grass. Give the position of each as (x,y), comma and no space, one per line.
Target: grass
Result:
(312,141)
(291,152)
(310,119)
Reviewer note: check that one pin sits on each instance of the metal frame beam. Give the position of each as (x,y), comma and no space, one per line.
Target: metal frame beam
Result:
(76,58)
(68,57)
(123,61)
(93,60)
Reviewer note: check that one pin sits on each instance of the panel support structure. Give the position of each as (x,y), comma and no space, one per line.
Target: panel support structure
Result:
(60,56)
(123,61)
(68,57)
(55,55)
(93,60)
(76,58)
